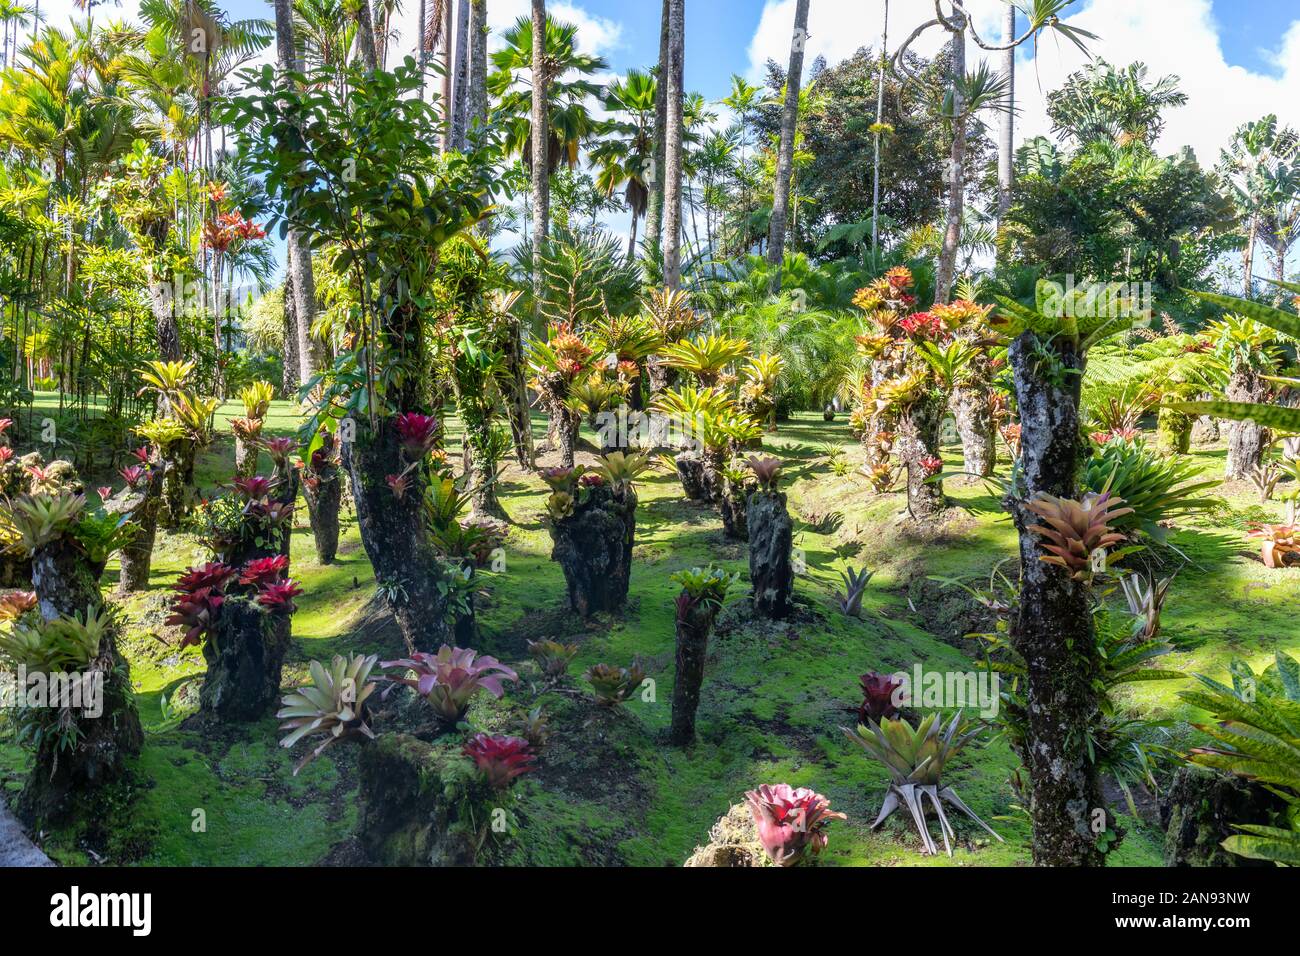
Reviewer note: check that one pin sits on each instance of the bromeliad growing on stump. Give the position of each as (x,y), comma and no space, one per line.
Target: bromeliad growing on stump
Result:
(593,525)
(703,592)
(771,542)
(1052,625)
(85,743)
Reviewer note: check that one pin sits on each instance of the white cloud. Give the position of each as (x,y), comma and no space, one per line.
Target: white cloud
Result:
(1177,37)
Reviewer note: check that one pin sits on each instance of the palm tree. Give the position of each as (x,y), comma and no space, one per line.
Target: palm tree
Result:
(674,157)
(1259,168)
(655,215)
(568,90)
(1102,104)
(301,277)
(1007,125)
(625,155)
(967,93)
(785,153)
(541,139)
(744,100)
(877,130)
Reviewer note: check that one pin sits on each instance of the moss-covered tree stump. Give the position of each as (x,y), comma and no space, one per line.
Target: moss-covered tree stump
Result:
(693,476)
(733,506)
(694,626)
(771,545)
(593,546)
(1199,810)
(406,817)
(65,779)
(245,658)
(395,534)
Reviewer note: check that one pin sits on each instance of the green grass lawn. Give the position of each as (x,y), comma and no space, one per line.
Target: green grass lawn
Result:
(774,696)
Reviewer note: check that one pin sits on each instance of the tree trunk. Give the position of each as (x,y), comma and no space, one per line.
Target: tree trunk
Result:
(176,462)
(62,779)
(771,540)
(290,372)
(565,425)
(918,439)
(1248,257)
(301,281)
(693,631)
(691,472)
(673,146)
(483,485)
(460,106)
(394,535)
(1173,432)
(164,299)
(518,411)
(945,271)
(733,504)
(246,451)
(366,48)
(541,137)
(785,154)
(245,658)
(1007,118)
(654,222)
(1052,627)
(1246,440)
(137,556)
(974,417)
(478,62)
(323,490)
(593,546)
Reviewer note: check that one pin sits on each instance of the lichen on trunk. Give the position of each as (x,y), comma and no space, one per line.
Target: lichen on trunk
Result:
(1246,439)
(395,536)
(1052,627)
(918,441)
(975,427)
(245,657)
(593,545)
(771,564)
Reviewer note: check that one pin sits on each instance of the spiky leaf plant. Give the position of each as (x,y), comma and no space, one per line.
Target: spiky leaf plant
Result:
(915,758)
(1257,736)
(331,706)
(64,644)
(855,586)
(39,519)
(1074,530)
(705,358)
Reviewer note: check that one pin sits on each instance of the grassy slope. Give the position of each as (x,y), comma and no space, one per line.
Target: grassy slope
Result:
(773,699)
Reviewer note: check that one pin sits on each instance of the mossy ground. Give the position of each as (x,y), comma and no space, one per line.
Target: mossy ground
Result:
(609,790)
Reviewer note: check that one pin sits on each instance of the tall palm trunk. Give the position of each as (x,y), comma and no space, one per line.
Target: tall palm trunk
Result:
(460,96)
(947,266)
(1248,257)
(673,156)
(1007,126)
(541,136)
(298,260)
(785,155)
(366,47)
(446,75)
(478,58)
(655,211)
(880,114)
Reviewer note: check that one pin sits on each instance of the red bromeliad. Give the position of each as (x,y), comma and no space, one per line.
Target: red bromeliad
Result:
(279,595)
(261,571)
(790,822)
(878,696)
(500,758)
(252,488)
(417,432)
